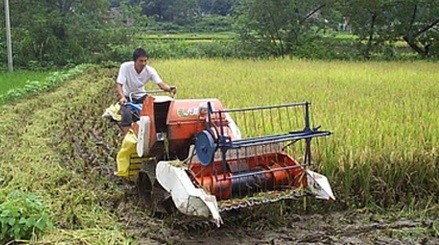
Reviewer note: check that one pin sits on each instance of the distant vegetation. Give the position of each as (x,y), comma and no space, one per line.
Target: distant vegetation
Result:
(72,32)
(378,94)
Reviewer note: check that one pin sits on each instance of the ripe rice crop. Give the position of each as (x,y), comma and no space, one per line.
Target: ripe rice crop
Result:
(384,116)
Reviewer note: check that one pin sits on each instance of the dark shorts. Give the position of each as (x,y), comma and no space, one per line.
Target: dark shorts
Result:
(128,114)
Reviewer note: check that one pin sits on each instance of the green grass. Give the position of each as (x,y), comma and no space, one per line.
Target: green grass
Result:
(17,79)
(340,36)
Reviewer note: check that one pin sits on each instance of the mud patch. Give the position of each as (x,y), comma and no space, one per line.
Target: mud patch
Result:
(334,228)
(254,227)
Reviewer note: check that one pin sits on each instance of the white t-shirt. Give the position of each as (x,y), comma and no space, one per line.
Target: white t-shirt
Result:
(135,82)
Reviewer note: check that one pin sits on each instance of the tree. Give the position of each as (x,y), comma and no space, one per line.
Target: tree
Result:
(170,10)
(419,27)
(58,32)
(277,26)
(380,22)
(217,7)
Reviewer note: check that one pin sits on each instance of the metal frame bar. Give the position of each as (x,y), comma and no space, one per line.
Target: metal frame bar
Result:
(262,107)
(224,143)
(262,172)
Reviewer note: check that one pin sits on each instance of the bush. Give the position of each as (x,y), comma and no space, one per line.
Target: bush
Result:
(22,216)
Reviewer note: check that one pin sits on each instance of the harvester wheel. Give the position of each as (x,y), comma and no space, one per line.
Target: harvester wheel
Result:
(144,189)
(162,201)
(153,197)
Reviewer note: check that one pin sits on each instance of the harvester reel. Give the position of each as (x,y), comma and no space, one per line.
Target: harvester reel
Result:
(205,147)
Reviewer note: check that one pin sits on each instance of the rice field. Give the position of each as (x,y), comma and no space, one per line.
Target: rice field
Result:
(384,116)
(384,152)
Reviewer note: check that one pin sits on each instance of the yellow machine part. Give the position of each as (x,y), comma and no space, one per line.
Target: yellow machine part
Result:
(128,162)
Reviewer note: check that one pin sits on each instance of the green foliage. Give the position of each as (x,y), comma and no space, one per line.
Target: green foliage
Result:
(61,32)
(278,28)
(381,23)
(79,31)
(331,47)
(35,86)
(213,23)
(22,216)
(178,48)
(184,10)
(171,9)
(274,26)
(216,7)
(38,156)
(198,24)
(334,46)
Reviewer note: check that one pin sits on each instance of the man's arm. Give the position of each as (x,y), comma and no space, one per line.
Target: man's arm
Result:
(121,79)
(122,99)
(162,85)
(165,87)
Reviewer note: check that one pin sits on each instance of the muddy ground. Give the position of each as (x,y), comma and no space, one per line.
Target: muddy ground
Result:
(268,225)
(323,229)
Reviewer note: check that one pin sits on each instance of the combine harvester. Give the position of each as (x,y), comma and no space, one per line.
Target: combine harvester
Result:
(208,159)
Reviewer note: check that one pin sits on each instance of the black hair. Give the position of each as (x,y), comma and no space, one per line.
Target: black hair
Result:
(140,52)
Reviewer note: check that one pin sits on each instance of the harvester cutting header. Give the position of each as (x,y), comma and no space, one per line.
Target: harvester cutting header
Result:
(209,159)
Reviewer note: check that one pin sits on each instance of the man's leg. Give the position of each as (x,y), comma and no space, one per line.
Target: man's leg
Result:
(127,114)
(127,119)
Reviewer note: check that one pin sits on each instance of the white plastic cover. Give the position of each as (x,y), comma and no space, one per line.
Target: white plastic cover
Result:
(162,98)
(319,186)
(187,198)
(143,136)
